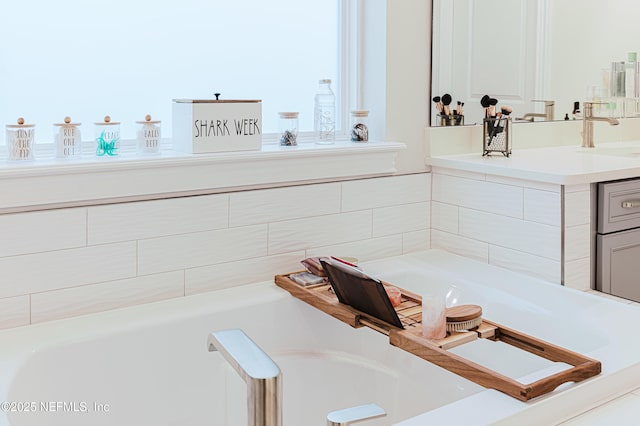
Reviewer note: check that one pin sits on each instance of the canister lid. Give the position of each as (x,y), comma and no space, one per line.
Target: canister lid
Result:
(107,121)
(20,124)
(289,114)
(360,113)
(147,120)
(215,101)
(67,123)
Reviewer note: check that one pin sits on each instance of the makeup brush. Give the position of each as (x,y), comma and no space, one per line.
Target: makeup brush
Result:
(446,101)
(437,100)
(492,106)
(459,108)
(501,117)
(485,102)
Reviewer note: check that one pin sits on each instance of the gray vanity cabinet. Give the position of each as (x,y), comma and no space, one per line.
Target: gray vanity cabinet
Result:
(618,239)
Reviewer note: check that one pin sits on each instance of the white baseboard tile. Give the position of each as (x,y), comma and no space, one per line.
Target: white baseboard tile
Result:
(525,263)
(15,312)
(71,302)
(231,274)
(457,244)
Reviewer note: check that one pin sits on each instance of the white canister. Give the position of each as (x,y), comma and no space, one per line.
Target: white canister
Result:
(68,139)
(20,140)
(148,136)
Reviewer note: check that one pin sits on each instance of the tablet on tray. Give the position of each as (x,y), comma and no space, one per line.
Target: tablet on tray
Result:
(360,291)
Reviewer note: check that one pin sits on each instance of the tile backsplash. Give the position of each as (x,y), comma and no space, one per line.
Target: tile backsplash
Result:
(67,262)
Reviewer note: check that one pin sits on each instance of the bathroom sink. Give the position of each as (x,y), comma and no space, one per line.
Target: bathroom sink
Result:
(628,149)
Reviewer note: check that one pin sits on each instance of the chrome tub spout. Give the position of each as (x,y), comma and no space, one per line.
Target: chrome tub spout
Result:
(260,373)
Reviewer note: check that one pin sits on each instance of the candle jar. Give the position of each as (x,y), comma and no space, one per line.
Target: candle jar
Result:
(107,134)
(288,127)
(67,138)
(148,136)
(20,140)
(359,126)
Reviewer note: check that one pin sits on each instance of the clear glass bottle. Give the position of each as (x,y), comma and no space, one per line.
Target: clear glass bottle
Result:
(107,138)
(148,136)
(20,140)
(288,128)
(325,113)
(359,125)
(67,138)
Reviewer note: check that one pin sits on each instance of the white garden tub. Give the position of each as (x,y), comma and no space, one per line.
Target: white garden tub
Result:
(149,365)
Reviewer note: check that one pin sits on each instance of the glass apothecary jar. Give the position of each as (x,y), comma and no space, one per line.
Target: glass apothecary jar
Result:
(288,128)
(359,125)
(20,140)
(68,139)
(107,134)
(148,136)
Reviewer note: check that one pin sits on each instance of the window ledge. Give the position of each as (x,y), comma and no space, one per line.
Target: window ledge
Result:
(50,183)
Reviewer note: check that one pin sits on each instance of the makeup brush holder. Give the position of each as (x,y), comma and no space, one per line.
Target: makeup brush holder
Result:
(451,120)
(496,135)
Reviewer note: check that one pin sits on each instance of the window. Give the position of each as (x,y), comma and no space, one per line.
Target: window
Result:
(129,58)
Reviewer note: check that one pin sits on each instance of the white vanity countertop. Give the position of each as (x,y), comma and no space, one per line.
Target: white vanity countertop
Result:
(564,165)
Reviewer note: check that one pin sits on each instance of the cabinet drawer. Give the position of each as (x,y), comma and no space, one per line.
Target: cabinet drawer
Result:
(618,206)
(618,270)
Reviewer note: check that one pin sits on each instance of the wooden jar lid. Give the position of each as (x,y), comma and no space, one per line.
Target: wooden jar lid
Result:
(462,313)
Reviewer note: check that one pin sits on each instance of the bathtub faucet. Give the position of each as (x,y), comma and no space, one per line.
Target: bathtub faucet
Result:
(260,373)
(587,124)
(352,415)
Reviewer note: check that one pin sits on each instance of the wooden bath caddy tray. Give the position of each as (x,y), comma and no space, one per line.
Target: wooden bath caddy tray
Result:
(411,340)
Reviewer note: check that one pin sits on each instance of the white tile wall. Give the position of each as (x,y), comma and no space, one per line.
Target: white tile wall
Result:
(202,248)
(35,232)
(87,299)
(525,263)
(399,219)
(229,274)
(148,219)
(542,206)
(491,197)
(68,262)
(280,204)
(14,311)
(53,270)
(463,246)
(301,234)
(530,237)
(513,223)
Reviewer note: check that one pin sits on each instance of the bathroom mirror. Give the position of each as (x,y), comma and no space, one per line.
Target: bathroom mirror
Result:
(518,51)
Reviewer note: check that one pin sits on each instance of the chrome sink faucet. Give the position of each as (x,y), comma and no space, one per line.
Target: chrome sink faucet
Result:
(587,124)
(548,112)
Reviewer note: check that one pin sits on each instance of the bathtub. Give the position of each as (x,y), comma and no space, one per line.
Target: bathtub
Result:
(150,364)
